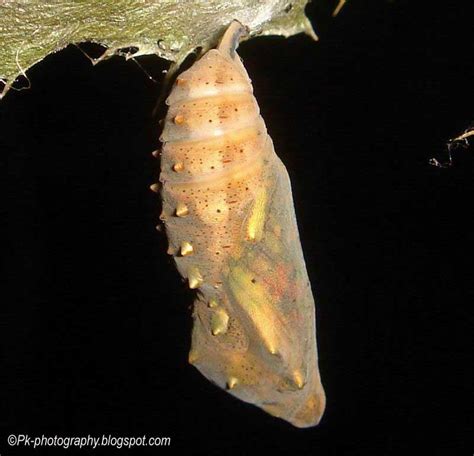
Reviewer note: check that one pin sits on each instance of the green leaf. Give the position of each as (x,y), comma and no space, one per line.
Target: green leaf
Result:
(171,29)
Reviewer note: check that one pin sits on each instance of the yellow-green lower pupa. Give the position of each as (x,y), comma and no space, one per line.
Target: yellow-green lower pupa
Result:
(230,220)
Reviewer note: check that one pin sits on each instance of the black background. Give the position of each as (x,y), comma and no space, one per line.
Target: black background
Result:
(95,321)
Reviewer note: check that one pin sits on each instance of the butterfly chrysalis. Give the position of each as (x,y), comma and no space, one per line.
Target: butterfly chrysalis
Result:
(230,221)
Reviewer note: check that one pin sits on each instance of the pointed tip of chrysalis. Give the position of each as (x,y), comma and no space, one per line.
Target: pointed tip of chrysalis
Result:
(231,38)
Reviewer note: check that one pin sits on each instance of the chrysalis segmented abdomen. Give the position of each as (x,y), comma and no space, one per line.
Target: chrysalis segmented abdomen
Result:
(230,221)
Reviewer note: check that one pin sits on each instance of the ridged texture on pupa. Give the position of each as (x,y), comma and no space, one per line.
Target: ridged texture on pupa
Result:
(229,217)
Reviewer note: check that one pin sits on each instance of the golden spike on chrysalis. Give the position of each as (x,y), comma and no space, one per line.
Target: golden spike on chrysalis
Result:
(180,81)
(255,300)
(232,382)
(192,357)
(194,278)
(219,322)
(178,167)
(186,248)
(181,210)
(257,218)
(156,153)
(212,303)
(178,119)
(155,187)
(298,378)
(273,350)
